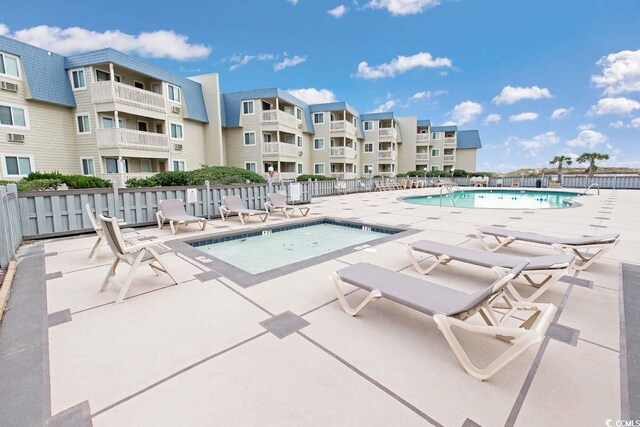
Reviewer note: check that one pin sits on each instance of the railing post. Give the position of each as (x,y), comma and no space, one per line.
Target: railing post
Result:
(116,202)
(207,194)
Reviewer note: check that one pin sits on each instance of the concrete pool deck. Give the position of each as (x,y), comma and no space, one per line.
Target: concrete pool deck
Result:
(282,352)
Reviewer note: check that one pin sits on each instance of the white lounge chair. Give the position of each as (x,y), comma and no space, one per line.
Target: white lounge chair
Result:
(278,202)
(139,253)
(565,245)
(233,205)
(551,267)
(450,308)
(173,212)
(129,233)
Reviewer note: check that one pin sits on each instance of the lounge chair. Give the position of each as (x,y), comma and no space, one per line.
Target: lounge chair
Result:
(129,233)
(565,245)
(278,202)
(173,212)
(233,205)
(450,308)
(551,268)
(140,253)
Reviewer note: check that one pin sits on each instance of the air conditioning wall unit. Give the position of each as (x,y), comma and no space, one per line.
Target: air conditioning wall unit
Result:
(8,86)
(175,110)
(15,137)
(177,147)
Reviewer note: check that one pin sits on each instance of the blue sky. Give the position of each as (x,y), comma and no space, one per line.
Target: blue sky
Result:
(500,66)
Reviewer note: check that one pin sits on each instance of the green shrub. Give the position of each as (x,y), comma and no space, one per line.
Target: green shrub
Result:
(44,175)
(171,179)
(141,182)
(222,175)
(3,182)
(39,184)
(302,178)
(82,181)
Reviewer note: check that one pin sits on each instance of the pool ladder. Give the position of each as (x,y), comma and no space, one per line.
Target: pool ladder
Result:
(595,184)
(449,185)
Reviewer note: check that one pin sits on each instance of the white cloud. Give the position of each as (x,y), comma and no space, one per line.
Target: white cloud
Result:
(293,2)
(401,64)
(511,95)
(4,30)
(238,61)
(587,139)
(635,123)
(313,96)
(561,113)
(338,11)
(386,106)
(403,7)
(465,112)
(523,117)
(620,72)
(289,62)
(155,44)
(535,144)
(425,95)
(492,118)
(617,124)
(619,105)
(586,126)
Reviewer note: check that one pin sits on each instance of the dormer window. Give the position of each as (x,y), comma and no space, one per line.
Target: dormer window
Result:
(173,93)
(9,65)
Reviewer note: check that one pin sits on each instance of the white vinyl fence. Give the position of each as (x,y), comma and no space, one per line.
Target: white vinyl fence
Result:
(10,226)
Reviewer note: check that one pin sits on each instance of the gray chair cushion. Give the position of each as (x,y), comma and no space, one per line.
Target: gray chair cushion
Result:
(549,240)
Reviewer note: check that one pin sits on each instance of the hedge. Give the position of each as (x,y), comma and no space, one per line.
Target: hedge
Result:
(216,175)
(303,178)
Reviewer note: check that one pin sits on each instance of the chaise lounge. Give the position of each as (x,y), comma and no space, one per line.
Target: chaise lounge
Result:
(450,308)
(233,205)
(173,212)
(551,268)
(565,245)
(278,202)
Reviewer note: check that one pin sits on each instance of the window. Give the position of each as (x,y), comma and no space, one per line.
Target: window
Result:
(9,65)
(18,165)
(266,137)
(179,165)
(247,107)
(435,168)
(318,168)
(103,76)
(124,166)
(156,87)
(436,135)
(143,126)
(87,166)
(249,138)
(355,122)
(109,122)
(368,125)
(368,147)
(176,131)
(84,125)
(299,168)
(145,165)
(78,81)
(298,113)
(367,169)
(159,127)
(138,84)
(355,168)
(318,144)
(435,152)
(13,116)
(111,165)
(299,141)
(318,118)
(173,93)
(251,166)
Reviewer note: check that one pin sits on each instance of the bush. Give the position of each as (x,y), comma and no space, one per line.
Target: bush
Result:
(170,179)
(83,181)
(39,184)
(303,178)
(222,175)
(141,182)
(44,175)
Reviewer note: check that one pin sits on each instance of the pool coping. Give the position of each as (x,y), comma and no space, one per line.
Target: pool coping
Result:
(245,279)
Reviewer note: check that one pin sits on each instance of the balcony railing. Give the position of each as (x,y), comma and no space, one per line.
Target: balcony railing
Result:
(387,155)
(275,149)
(346,152)
(343,175)
(449,157)
(422,138)
(125,94)
(275,117)
(422,157)
(343,125)
(450,141)
(132,139)
(387,133)
(281,176)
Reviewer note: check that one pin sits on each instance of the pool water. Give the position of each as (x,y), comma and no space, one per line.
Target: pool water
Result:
(261,251)
(498,199)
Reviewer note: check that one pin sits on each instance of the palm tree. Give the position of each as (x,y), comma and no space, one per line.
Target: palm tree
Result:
(560,161)
(591,158)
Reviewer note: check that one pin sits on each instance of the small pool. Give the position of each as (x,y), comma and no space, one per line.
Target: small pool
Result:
(498,199)
(264,250)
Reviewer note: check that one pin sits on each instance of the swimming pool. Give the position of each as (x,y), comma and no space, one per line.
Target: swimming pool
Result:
(260,251)
(498,199)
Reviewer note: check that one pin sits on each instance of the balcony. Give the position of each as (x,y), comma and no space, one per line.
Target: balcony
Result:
(422,157)
(449,158)
(343,126)
(282,176)
(343,175)
(115,92)
(280,149)
(387,133)
(278,117)
(422,138)
(450,141)
(387,156)
(121,138)
(342,152)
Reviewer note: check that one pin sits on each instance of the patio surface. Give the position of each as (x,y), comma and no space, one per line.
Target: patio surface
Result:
(282,352)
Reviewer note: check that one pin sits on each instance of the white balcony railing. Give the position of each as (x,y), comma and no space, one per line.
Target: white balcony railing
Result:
(281,176)
(422,157)
(346,152)
(343,125)
(275,117)
(450,141)
(125,94)
(387,155)
(422,138)
(276,149)
(449,157)
(387,133)
(132,139)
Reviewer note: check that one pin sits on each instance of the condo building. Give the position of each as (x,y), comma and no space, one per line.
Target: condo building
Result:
(111,115)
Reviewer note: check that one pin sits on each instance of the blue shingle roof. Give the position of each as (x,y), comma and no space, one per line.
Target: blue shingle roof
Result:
(44,72)
(377,116)
(333,106)
(424,123)
(468,139)
(192,90)
(444,128)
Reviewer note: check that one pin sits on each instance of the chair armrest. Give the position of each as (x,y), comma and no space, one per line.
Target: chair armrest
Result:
(142,245)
